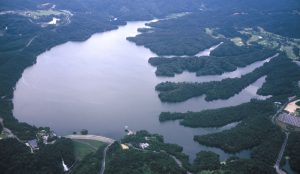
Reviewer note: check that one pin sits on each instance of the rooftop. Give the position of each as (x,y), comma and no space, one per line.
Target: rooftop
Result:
(124,146)
(289,119)
(33,143)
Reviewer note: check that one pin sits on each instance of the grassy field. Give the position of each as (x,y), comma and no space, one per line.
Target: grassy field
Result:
(44,13)
(211,32)
(237,41)
(290,46)
(273,41)
(85,147)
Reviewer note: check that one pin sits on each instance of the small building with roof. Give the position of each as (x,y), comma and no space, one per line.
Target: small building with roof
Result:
(33,144)
(288,122)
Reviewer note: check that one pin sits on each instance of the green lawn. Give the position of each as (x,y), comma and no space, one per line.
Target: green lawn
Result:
(84,147)
(40,13)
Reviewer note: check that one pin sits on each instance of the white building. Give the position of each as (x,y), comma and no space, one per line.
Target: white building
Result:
(144,145)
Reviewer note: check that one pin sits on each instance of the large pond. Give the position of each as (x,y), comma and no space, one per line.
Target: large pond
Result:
(105,83)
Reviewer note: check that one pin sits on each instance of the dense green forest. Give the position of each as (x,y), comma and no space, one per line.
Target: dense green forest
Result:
(255,129)
(157,144)
(156,159)
(266,140)
(276,83)
(293,151)
(206,160)
(179,40)
(91,163)
(186,35)
(246,166)
(234,165)
(209,65)
(282,81)
(268,150)
(138,161)
(16,158)
(219,117)
(252,131)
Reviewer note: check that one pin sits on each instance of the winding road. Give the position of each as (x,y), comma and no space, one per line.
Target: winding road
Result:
(281,152)
(273,119)
(109,141)
(103,160)
(178,162)
(10,134)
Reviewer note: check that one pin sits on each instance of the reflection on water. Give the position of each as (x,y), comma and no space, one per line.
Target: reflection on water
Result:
(103,84)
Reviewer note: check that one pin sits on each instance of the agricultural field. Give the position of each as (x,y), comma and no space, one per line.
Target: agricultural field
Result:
(289,46)
(259,36)
(212,33)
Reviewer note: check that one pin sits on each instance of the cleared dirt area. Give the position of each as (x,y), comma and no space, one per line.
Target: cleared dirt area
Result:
(292,107)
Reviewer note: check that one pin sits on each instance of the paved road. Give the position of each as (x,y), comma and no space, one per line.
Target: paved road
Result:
(178,162)
(8,131)
(109,141)
(104,158)
(1,121)
(281,152)
(277,164)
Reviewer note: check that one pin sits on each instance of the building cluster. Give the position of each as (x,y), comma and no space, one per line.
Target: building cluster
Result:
(44,137)
(47,137)
(124,146)
(289,118)
(144,145)
(292,122)
(128,131)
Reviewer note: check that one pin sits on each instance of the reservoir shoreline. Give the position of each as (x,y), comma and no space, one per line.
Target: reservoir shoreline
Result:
(103,84)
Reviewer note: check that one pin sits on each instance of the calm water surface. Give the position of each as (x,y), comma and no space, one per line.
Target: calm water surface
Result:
(105,83)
